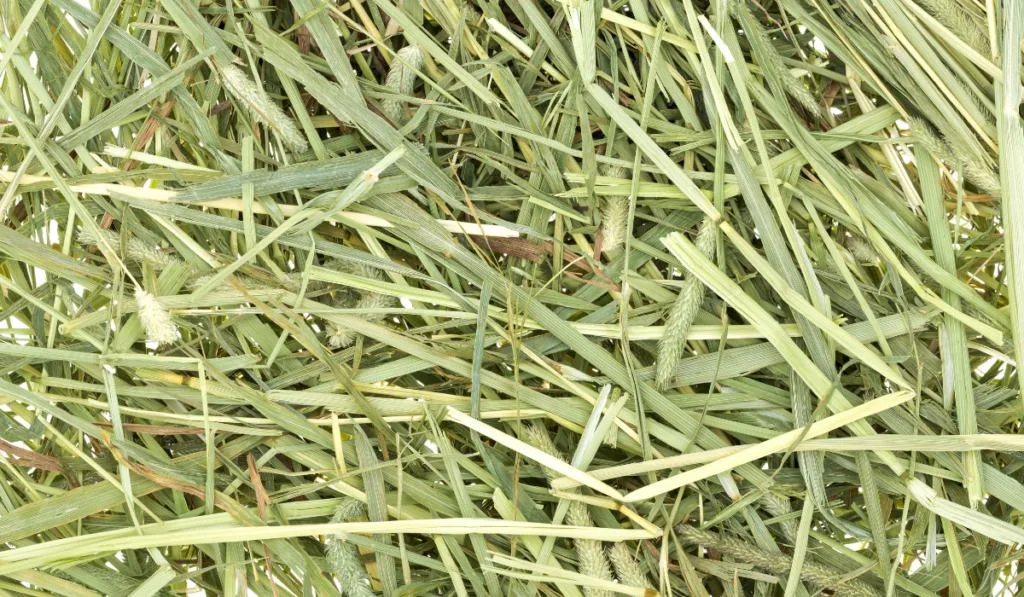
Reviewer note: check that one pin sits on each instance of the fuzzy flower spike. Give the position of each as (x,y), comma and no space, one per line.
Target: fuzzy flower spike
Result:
(159,326)
(400,80)
(259,105)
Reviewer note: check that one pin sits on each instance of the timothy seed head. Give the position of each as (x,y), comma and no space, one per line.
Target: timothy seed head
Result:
(776,562)
(535,435)
(199,281)
(778,506)
(348,509)
(247,281)
(343,560)
(983,177)
(973,168)
(339,337)
(401,79)
(705,240)
(87,237)
(593,564)
(138,251)
(627,568)
(155,319)
(677,325)
(735,548)
(354,268)
(925,135)
(256,101)
(373,300)
(770,60)
(143,253)
(684,309)
(578,515)
(861,251)
(614,214)
(343,557)
(960,21)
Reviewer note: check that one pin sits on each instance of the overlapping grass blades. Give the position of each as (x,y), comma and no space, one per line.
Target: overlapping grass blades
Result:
(570,297)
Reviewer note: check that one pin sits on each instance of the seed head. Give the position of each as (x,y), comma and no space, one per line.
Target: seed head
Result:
(614,215)
(343,557)
(400,80)
(155,319)
(684,310)
(627,568)
(256,101)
